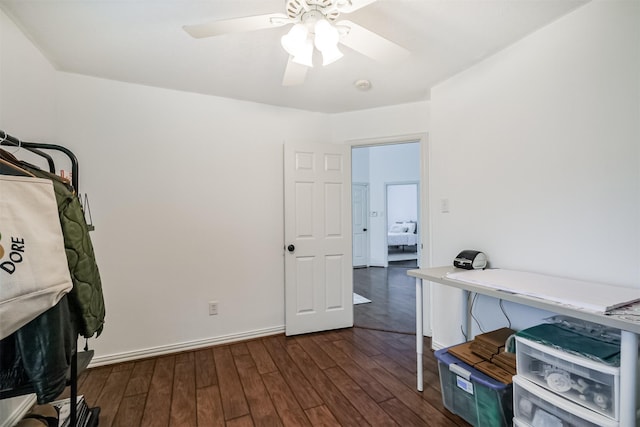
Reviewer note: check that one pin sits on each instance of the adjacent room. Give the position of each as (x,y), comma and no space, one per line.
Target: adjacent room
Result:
(232,172)
(386,181)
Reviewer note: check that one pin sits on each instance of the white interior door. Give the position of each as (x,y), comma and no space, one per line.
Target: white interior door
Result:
(360,226)
(317,228)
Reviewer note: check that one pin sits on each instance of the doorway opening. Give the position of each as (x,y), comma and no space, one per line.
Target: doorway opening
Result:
(391,171)
(402,224)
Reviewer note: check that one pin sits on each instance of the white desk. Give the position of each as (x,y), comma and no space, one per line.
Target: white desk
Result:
(629,330)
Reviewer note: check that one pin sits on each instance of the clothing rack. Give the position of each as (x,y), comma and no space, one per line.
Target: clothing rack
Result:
(35,147)
(78,362)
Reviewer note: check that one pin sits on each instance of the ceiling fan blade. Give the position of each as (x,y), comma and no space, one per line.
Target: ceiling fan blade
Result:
(294,74)
(348,6)
(371,44)
(237,25)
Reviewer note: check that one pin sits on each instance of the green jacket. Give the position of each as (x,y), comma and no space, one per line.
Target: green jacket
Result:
(86,301)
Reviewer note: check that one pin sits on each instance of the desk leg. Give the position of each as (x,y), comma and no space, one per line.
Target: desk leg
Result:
(419,333)
(468,319)
(628,376)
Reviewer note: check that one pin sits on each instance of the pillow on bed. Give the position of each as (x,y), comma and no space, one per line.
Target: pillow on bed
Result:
(398,228)
(411,227)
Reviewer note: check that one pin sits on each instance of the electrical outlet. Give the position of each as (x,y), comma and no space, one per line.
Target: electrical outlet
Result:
(444,205)
(213,308)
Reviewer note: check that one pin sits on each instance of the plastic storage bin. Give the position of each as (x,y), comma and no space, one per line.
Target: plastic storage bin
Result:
(591,384)
(533,405)
(472,395)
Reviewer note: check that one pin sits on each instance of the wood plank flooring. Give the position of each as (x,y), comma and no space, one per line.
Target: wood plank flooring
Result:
(359,376)
(347,377)
(392,294)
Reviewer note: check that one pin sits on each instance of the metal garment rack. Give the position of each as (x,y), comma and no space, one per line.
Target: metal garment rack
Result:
(36,148)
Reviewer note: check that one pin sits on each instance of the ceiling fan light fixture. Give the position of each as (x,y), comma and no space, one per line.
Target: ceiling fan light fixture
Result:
(326,41)
(314,25)
(326,35)
(295,40)
(304,56)
(331,55)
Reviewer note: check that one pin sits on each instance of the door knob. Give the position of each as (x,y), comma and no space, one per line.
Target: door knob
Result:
(364,229)
(291,248)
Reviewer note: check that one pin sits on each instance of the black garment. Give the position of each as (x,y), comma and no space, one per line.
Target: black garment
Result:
(38,355)
(8,168)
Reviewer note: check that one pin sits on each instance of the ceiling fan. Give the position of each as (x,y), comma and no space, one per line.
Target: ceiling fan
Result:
(315,24)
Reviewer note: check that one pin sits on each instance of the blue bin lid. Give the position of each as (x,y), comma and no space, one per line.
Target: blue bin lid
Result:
(476,376)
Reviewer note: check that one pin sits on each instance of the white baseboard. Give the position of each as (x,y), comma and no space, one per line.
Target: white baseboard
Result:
(436,345)
(19,411)
(186,346)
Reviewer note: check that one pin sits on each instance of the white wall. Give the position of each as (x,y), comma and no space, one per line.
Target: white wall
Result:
(27,86)
(381,122)
(360,165)
(402,203)
(537,150)
(187,196)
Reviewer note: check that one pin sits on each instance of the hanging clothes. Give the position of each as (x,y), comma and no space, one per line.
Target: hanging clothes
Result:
(86,300)
(8,168)
(37,357)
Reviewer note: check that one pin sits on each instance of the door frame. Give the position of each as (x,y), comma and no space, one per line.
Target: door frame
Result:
(425,257)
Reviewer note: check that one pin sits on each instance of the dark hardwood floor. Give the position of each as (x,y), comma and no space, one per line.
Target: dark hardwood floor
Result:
(392,294)
(364,375)
(349,377)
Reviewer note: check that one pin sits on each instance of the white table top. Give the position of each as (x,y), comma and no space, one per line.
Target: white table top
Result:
(439,275)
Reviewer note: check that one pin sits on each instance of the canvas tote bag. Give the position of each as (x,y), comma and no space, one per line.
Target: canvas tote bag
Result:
(34,273)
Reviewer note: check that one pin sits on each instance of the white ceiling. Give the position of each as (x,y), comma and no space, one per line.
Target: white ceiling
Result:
(142,41)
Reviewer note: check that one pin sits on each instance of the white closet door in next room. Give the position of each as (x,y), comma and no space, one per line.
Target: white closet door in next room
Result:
(360,204)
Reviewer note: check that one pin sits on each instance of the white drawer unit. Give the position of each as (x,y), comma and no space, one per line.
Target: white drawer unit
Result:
(519,423)
(591,384)
(535,406)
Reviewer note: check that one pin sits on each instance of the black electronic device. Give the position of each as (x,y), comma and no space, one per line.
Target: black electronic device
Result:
(470,260)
